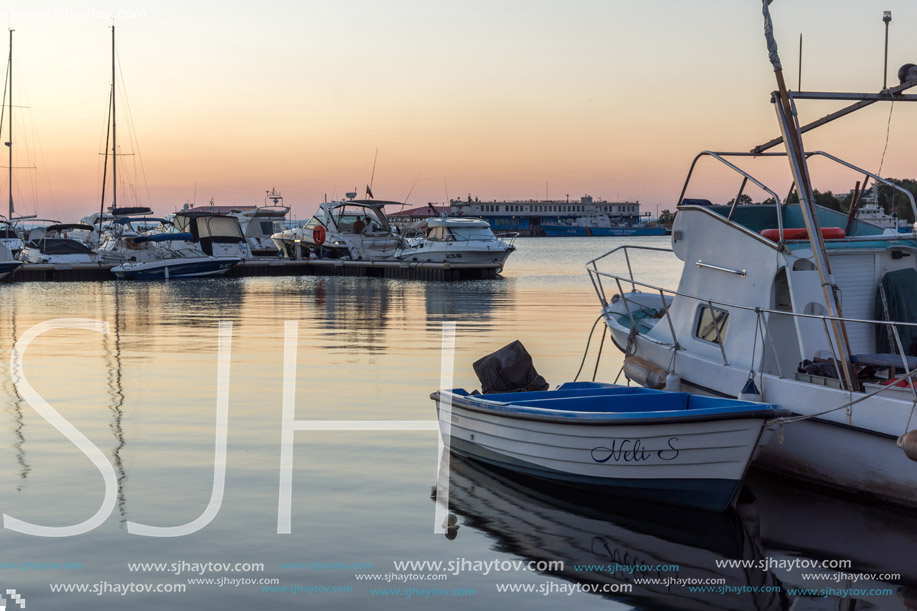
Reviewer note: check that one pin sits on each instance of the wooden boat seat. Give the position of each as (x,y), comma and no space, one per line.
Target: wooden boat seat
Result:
(883,360)
(892,361)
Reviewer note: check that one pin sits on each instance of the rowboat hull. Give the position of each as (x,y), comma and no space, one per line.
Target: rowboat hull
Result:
(678,460)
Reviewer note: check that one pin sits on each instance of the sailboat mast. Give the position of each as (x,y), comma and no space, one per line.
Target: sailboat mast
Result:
(792,139)
(9,142)
(114,137)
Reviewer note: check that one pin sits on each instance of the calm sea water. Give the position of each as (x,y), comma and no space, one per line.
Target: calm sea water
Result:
(145,394)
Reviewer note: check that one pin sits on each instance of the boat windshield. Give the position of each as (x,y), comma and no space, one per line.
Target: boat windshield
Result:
(357,219)
(480,234)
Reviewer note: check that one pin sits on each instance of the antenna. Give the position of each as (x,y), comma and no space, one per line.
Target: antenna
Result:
(412,189)
(887,18)
(445,188)
(114,138)
(373,176)
(799,85)
(9,70)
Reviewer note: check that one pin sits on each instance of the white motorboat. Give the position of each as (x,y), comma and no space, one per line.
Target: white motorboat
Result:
(355,229)
(62,244)
(11,235)
(455,240)
(175,267)
(812,307)
(124,240)
(217,235)
(8,264)
(871,212)
(259,223)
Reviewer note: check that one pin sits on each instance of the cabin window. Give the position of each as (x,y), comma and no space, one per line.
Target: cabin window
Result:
(711,324)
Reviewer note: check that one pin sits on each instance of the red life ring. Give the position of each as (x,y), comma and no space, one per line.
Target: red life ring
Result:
(800,233)
(318,235)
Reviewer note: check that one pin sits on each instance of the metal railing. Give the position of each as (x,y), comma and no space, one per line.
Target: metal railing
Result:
(746,177)
(597,275)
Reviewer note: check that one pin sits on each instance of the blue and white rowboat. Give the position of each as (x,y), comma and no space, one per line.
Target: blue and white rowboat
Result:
(661,446)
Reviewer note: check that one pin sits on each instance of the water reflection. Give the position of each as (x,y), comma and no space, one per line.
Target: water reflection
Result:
(472,301)
(533,519)
(774,520)
(116,396)
(790,518)
(18,421)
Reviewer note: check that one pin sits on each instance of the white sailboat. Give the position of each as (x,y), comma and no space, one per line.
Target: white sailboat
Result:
(763,293)
(182,248)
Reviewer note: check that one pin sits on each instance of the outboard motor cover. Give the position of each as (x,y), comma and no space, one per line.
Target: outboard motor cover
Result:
(509,369)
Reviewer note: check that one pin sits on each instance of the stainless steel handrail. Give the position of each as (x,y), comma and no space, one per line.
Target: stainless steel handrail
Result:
(594,271)
(746,175)
(738,272)
(887,183)
(596,278)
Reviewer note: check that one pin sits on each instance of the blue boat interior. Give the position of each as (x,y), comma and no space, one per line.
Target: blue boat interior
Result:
(591,401)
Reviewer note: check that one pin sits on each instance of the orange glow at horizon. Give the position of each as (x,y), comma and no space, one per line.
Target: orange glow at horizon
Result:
(509,100)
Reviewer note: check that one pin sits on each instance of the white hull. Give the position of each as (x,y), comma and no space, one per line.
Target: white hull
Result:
(857,453)
(456,254)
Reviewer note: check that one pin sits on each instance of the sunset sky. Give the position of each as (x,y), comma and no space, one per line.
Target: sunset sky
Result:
(496,98)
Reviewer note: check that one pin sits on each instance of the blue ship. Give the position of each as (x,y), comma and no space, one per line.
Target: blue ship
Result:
(553,231)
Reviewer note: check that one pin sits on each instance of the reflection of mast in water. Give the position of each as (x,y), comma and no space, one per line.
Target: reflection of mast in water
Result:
(19,422)
(116,394)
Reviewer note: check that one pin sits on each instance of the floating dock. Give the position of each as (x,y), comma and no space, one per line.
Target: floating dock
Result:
(278,267)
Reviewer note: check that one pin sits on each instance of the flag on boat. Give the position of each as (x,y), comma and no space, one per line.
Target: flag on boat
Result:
(769,36)
(369,192)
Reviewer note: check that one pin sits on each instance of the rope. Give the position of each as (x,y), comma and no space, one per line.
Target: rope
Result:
(791,419)
(888,131)
(754,346)
(586,351)
(599,355)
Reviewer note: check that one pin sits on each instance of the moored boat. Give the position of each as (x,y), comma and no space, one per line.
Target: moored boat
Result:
(455,240)
(178,267)
(60,244)
(810,303)
(669,447)
(8,264)
(598,224)
(355,229)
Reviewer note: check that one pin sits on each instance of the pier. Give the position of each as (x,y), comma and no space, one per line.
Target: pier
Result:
(446,272)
